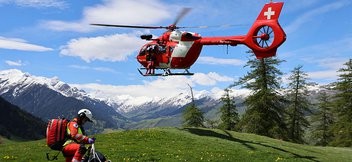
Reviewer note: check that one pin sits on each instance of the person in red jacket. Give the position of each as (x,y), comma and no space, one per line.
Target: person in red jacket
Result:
(74,148)
(151,58)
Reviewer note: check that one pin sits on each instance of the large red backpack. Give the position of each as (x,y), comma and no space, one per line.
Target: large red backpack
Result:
(56,133)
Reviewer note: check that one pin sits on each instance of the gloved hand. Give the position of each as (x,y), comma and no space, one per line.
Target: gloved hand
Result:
(91,140)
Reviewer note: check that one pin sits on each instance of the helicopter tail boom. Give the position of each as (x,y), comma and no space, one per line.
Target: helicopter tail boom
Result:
(264,37)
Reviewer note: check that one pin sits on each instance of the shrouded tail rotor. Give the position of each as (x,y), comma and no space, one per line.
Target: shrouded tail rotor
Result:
(264,37)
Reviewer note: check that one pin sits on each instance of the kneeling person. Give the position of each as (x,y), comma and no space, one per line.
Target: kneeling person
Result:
(74,148)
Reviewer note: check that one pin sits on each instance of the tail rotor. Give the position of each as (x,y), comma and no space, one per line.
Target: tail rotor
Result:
(264,36)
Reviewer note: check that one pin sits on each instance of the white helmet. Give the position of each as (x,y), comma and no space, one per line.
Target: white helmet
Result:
(86,113)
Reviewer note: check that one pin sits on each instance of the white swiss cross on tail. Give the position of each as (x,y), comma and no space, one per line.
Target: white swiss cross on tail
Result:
(269,13)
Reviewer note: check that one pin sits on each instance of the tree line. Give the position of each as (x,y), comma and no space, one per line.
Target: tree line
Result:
(289,116)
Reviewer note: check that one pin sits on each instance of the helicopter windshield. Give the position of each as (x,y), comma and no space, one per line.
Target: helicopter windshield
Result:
(162,49)
(157,49)
(142,52)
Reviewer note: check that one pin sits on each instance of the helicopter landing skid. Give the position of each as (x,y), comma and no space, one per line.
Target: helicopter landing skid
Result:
(167,72)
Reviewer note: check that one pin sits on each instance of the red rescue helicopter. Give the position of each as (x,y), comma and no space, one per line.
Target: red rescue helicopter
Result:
(177,49)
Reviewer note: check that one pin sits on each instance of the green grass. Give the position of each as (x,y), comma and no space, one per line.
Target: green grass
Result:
(190,144)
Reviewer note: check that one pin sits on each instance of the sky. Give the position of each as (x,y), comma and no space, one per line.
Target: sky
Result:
(53,38)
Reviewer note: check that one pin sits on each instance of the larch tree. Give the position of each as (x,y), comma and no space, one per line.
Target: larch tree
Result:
(265,113)
(193,117)
(229,116)
(322,121)
(299,105)
(342,129)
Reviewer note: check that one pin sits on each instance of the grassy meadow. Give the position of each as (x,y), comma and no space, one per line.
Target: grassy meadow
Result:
(188,144)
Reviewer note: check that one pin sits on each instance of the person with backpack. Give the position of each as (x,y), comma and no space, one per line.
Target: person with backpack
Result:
(73,148)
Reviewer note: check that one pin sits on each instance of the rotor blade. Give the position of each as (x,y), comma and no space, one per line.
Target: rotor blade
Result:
(131,26)
(213,26)
(181,15)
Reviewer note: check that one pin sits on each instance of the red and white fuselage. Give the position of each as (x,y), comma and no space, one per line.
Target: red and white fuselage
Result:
(180,49)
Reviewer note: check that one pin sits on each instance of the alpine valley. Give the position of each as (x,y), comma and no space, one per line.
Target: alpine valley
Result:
(48,98)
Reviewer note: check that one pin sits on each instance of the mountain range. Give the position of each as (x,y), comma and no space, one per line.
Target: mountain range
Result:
(49,98)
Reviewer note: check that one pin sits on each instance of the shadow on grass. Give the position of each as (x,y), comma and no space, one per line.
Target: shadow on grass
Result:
(228,136)
(202,132)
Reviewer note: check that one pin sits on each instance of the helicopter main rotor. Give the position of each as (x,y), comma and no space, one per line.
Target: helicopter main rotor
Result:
(171,27)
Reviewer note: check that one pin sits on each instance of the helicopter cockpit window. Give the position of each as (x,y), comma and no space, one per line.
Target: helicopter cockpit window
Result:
(156,49)
(142,52)
(171,49)
(151,48)
(162,49)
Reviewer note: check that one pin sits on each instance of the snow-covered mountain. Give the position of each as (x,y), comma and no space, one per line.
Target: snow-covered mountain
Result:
(166,110)
(125,104)
(19,81)
(50,98)
(35,94)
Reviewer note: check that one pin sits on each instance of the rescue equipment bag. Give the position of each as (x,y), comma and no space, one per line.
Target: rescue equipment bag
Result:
(56,133)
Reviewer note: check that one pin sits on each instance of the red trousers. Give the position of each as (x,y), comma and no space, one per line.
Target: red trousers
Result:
(150,68)
(71,152)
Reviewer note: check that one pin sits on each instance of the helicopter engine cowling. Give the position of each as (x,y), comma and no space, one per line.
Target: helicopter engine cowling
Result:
(183,36)
(188,36)
(175,35)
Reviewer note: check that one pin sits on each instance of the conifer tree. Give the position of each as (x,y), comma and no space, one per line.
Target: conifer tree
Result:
(323,120)
(193,117)
(265,106)
(211,123)
(298,106)
(229,116)
(342,129)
